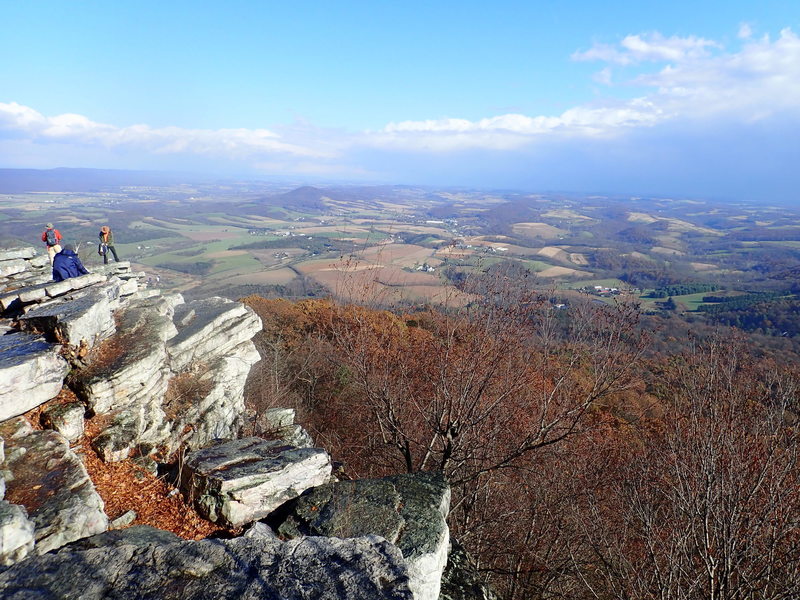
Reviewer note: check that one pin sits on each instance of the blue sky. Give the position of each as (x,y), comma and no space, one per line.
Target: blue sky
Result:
(690,98)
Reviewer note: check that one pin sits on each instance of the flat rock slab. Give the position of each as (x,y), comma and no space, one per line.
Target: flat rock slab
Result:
(58,288)
(208,328)
(86,318)
(12,253)
(407,510)
(31,373)
(12,267)
(51,482)
(244,480)
(246,568)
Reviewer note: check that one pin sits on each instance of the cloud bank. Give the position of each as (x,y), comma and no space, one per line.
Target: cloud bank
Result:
(688,90)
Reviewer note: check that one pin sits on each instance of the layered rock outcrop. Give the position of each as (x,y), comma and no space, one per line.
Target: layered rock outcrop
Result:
(153,374)
(130,360)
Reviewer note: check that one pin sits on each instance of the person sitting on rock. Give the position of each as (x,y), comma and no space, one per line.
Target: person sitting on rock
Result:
(52,239)
(66,264)
(107,243)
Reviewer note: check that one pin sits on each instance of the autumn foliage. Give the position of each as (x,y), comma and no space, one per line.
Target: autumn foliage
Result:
(579,470)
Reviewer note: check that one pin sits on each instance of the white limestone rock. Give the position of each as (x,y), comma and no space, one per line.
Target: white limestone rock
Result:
(12,267)
(8,300)
(40,261)
(123,520)
(26,252)
(197,420)
(86,317)
(279,418)
(138,373)
(244,480)
(130,286)
(32,293)
(16,533)
(31,373)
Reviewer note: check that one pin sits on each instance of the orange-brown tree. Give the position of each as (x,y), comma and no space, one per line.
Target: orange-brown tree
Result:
(487,393)
(707,503)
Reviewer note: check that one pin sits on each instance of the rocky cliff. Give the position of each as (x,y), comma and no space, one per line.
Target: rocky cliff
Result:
(101,365)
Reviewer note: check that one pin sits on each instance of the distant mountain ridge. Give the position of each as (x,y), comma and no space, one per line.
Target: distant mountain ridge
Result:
(19,181)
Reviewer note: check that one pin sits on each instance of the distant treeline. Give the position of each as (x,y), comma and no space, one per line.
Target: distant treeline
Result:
(727,303)
(683,289)
(312,245)
(778,234)
(191,268)
(779,317)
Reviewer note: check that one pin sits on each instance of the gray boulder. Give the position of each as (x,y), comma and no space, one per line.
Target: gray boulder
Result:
(128,566)
(31,373)
(51,482)
(407,510)
(244,480)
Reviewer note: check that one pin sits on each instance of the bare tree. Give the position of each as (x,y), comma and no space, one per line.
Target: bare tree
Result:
(708,505)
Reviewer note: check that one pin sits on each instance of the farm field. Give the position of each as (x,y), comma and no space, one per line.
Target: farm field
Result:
(413,245)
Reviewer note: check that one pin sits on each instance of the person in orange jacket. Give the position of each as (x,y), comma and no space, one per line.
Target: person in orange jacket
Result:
(107,243)
(52,239)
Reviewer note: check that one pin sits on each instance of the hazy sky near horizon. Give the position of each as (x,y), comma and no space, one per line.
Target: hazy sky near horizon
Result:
(683,98)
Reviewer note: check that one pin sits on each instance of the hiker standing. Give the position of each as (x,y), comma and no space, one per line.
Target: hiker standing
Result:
(66,264)
(107,243)
(52,239)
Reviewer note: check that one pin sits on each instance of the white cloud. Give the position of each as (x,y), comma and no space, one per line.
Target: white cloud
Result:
(651,47)
(701,80)
(22,121)
(759,80)
(603,76)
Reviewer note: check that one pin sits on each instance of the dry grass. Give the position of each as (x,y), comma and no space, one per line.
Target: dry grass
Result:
(185,390)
